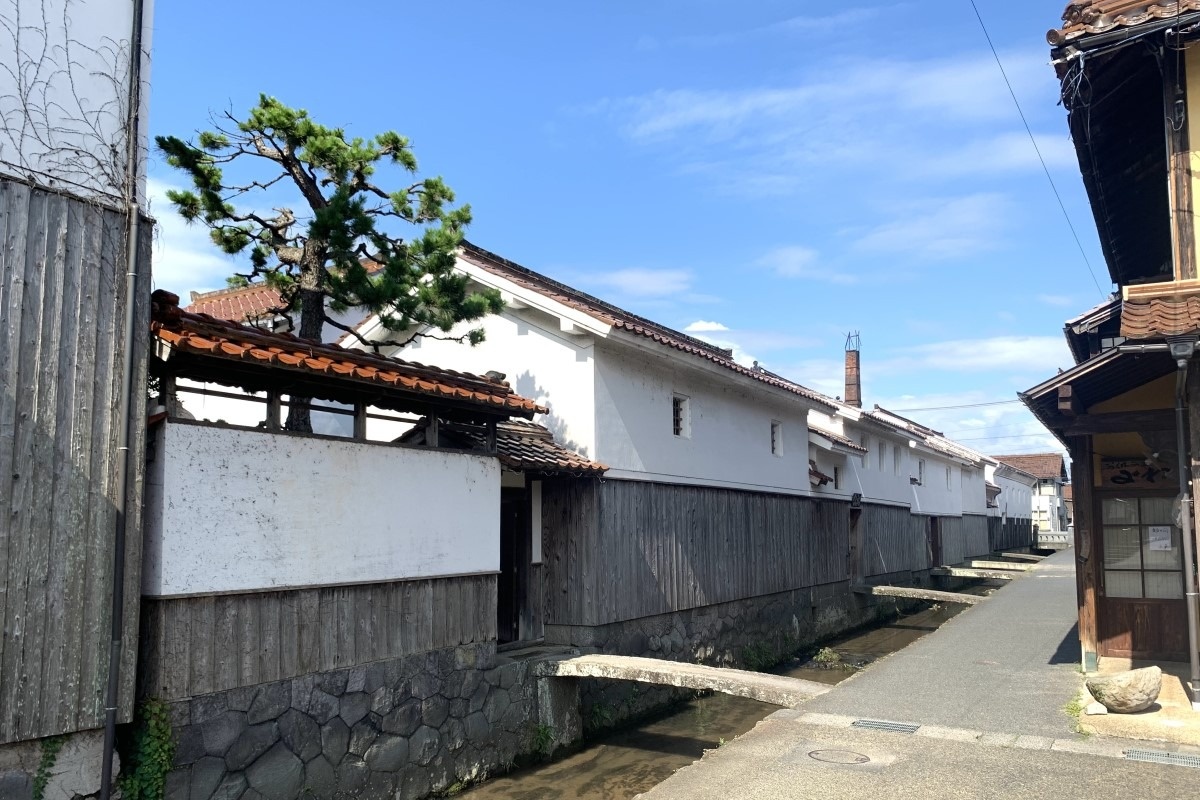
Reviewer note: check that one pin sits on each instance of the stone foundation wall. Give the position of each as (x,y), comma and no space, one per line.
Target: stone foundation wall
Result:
(73,774)
(754,633)
(401,728)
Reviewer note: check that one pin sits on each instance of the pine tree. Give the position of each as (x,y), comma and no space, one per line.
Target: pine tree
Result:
(342,250)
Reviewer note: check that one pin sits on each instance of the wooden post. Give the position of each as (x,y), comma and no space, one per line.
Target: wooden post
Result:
(491,435)
(1179,157)
(360,422)
(1087,567)
(274,411)
(431,431)
(166,394)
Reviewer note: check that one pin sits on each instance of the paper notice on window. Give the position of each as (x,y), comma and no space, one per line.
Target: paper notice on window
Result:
(1160,537)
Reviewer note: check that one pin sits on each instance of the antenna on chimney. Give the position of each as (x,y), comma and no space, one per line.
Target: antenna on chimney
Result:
(853,379)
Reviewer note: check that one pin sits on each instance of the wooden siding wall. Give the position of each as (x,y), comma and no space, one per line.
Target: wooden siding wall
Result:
(62,349)
(1005,534)
(196,645)
(620,550)
(963,537)
(894,540)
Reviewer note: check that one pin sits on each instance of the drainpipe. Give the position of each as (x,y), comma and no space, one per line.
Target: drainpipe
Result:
(1185,520)
(128,386)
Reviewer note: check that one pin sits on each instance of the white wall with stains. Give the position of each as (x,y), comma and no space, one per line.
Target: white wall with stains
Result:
(240,510)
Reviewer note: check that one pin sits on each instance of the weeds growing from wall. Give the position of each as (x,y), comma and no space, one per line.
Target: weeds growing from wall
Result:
(150,754)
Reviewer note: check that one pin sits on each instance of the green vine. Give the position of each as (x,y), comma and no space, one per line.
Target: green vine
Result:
(153,751)
(50,748)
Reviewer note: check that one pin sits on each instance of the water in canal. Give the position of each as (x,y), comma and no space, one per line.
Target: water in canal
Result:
(633,760)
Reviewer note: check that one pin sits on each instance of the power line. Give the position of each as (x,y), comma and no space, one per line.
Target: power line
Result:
(1037,150)
(947,408)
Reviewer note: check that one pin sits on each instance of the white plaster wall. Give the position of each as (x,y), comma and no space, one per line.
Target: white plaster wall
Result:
(1015,500)
(887,485)
(236,510)
(730,424)
(73,62)
(541,363)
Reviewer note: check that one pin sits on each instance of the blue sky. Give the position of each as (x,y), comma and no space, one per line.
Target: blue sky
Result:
(768,175)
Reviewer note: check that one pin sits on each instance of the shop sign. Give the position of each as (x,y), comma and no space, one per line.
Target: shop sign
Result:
(1134,473)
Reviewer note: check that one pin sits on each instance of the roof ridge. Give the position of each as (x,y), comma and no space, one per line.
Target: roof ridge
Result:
(618,317)
(602,305)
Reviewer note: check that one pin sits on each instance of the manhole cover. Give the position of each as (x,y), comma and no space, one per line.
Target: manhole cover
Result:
(839,756)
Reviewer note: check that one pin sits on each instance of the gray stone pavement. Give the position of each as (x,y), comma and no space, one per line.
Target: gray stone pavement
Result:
(987,690)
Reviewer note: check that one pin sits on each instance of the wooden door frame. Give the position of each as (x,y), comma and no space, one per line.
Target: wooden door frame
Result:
(1099,494)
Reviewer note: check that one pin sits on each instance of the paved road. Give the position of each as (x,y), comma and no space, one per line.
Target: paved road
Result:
(1006,665)
(773,762)
(987,690)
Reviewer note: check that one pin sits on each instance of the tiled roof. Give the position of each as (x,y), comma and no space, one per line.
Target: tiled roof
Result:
(207,335)
(245,303)
(1039,465)
(521,446)
(1068,492)
(625,320)
(237,305)
(842,440)
(1160,316)
(1084,18)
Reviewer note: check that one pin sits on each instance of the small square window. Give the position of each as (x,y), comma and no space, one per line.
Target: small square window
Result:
(681,424)
(920,472)
(882,455)
(897,459)
(837,478)
(776,438)
(947,477)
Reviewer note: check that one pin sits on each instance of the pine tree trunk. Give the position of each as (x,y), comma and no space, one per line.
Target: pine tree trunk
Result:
(312,324)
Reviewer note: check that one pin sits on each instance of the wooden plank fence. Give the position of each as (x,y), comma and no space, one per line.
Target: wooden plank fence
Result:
(625,549)
(62,349)
(196,645)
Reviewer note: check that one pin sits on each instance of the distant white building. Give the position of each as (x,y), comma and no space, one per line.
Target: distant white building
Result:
(1050,505)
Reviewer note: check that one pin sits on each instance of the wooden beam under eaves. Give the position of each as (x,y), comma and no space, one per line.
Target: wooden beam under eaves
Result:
(1162,419)
(1068,403)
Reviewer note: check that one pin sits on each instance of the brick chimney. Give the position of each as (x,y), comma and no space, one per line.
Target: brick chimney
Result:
(853,394)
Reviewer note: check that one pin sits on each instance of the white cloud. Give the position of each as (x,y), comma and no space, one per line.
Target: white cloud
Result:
(1059,300)
(1003,428)
(640,283)
(795,261)
(705,326)
(185,258)
(1039,354)
(934,230)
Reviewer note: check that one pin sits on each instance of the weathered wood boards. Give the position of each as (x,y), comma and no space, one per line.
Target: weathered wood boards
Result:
(62,350)
(195,645)
(625,549)
(766,688)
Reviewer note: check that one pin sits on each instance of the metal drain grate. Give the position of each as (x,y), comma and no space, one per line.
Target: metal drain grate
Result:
(1159,757)
(880,725)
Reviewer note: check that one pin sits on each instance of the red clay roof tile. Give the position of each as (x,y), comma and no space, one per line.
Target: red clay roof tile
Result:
(1083,18)
(1039,465)
(225,339)
(1160,316)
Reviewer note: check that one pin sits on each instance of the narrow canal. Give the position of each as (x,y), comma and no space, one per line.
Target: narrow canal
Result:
(633,760)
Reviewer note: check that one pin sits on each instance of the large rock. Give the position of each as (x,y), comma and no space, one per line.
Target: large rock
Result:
(1127,692)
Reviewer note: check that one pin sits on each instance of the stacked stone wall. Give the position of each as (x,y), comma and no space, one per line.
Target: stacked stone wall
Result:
(402,728)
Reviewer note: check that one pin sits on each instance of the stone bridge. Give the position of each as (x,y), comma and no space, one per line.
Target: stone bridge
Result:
(777,690)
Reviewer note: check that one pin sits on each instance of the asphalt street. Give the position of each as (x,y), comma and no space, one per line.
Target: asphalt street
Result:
(985,695)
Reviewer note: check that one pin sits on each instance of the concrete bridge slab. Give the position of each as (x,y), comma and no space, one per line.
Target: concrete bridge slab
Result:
(774,689)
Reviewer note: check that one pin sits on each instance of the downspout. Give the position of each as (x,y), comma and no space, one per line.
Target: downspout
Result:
(1185,522)
(128,381)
